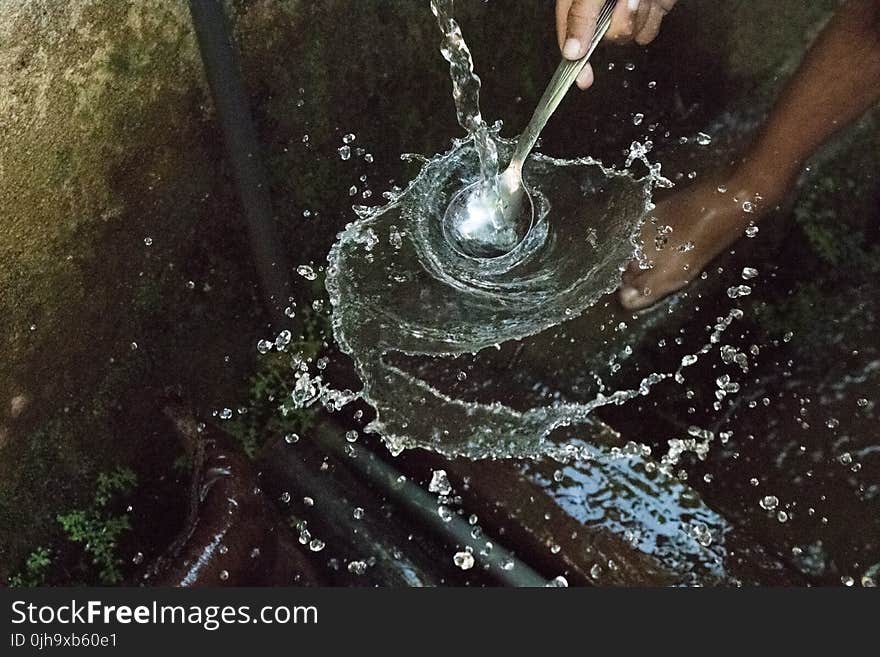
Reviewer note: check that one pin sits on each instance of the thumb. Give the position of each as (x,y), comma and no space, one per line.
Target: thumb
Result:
(580,27)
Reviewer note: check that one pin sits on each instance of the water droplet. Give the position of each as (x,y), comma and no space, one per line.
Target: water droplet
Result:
(291,438)
(701,533)
(148,241)
(226,414)
(224,575)
(316,545)
(725,384)
(357,567)
(349,138)
(344,152)
(558,582)
(769,502)
(464,560)
(749,273)
(306,272)
(738,291)
(751,231)
(440,483)
(358,513)
(703,139)
(638,118)
(283,339)
(395,237)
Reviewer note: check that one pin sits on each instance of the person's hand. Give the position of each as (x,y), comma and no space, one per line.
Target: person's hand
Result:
(633,20)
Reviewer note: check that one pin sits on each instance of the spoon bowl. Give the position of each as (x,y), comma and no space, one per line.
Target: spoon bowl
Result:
(489,220)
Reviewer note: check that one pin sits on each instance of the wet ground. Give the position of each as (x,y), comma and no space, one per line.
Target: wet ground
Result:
(801,430)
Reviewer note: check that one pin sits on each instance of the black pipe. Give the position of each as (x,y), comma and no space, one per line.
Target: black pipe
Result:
(502,564)
(220,61)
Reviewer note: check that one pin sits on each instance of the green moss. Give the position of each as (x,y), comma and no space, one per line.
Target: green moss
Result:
(49,470)
(35,569)
(269,409)
(85,549)
(98,529)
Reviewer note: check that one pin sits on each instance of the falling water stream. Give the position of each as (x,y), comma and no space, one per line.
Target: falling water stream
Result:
(466,88)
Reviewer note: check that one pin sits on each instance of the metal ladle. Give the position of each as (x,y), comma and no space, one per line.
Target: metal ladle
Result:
(488,219)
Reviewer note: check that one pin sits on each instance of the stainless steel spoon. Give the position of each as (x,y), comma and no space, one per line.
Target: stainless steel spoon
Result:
(488,219)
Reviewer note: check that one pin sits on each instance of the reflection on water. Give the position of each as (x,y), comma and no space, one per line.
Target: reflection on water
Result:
(622,492)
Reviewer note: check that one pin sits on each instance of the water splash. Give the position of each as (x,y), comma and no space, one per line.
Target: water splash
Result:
(398,287)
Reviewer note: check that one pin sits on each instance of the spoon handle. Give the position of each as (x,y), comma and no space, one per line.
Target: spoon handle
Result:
(566,74)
